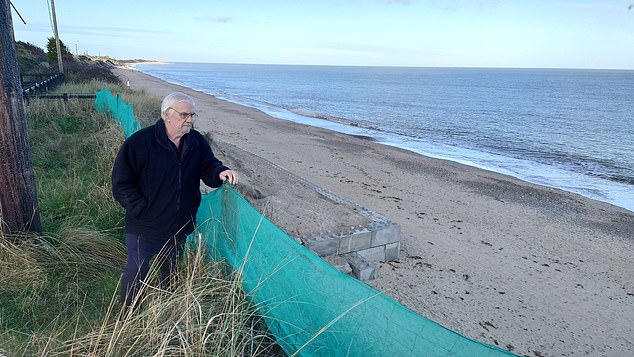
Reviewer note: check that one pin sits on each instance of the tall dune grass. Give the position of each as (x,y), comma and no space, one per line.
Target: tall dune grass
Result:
(206,314)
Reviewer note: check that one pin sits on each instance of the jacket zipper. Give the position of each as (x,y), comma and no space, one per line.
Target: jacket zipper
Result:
(178,189)
(180,174)
(178,192)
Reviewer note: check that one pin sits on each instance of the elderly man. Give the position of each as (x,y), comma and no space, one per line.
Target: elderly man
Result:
(156,178)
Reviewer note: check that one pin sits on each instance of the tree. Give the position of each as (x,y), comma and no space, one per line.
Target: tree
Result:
(51,51)
(18,198)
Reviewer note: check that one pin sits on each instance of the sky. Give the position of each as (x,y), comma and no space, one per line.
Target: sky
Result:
(419,33)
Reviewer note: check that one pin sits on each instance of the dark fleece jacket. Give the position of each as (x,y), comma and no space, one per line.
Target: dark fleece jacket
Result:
(158,185)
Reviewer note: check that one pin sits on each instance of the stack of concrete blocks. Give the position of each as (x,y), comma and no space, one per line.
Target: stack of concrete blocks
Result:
(359,250)
(355,252)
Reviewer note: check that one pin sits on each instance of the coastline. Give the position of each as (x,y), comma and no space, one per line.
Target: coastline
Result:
(130,65)
(469,140)
(525,267)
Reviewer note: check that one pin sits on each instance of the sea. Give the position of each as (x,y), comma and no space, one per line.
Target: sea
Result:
(571,129)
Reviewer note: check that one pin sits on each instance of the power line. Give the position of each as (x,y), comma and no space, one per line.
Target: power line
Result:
(50,17)
(51,8)
(17,12)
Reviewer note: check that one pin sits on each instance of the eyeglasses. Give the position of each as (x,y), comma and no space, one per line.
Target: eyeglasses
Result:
(184,115)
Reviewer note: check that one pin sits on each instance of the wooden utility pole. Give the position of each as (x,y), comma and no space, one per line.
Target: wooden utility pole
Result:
(59,50)
(18,198)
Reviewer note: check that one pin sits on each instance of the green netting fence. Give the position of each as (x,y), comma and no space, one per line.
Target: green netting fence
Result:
(122,112)
(310,307)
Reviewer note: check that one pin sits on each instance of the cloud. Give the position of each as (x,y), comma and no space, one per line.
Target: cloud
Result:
(218,18)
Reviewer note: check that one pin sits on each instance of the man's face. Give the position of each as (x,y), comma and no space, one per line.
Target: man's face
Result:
(179,119)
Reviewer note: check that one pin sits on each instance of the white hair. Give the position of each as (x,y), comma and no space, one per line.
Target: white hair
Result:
(174,98)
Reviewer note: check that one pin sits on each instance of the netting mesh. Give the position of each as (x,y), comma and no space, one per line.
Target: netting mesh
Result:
(122,112)
(310,307)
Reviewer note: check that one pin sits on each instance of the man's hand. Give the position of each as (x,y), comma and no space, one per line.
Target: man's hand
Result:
(229,175)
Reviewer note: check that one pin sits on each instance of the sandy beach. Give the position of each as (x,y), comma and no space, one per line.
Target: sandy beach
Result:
(535,270)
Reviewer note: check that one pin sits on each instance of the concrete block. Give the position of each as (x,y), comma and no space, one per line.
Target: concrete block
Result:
(339,263)
(361,268)
(323,245)
(392,250)
(373,254)
(356,241)
(385,235)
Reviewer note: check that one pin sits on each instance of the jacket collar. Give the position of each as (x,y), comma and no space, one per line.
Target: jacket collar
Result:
(160,132)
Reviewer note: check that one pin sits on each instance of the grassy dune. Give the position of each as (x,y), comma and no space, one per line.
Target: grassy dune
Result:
(58,291)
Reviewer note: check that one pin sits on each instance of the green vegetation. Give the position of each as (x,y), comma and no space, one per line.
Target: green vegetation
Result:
(51,50)
(35,64)
(58,291)
(31,59)
(73,150)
